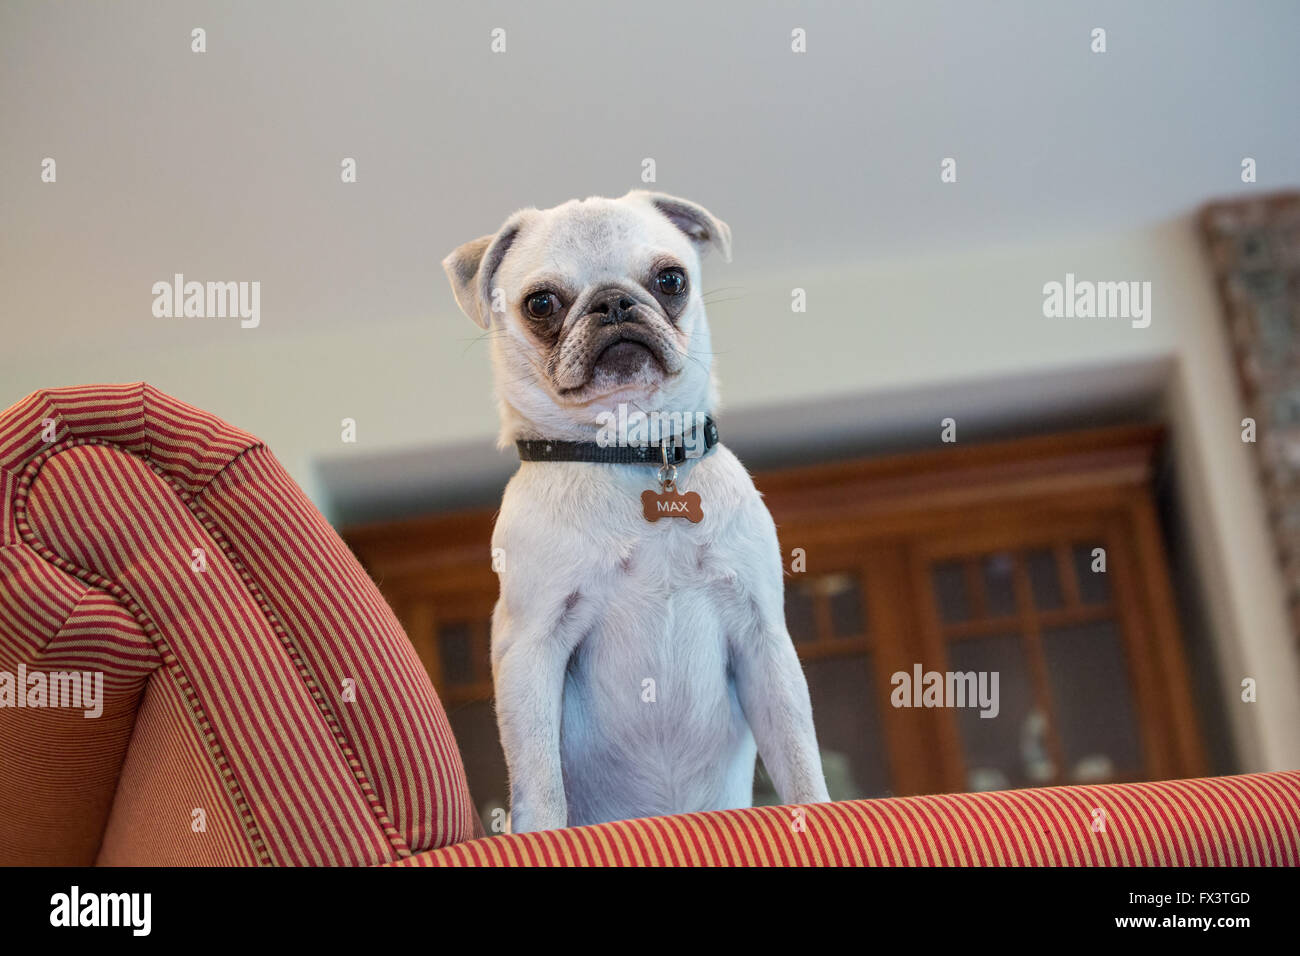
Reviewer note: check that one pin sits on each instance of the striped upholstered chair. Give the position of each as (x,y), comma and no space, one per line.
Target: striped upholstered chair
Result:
(260,704)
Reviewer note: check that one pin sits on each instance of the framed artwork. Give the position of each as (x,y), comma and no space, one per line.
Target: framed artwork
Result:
(1254,248)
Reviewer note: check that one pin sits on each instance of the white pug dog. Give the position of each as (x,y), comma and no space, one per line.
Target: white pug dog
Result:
(639,644)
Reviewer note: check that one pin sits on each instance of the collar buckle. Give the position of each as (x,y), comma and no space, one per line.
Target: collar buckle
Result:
(673,452)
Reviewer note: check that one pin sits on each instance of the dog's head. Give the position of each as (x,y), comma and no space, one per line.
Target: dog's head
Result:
(593,303)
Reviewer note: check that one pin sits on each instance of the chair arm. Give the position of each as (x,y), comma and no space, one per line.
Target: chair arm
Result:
(1241,820)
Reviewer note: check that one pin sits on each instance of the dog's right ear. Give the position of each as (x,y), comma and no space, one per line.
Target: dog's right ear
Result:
(471,268)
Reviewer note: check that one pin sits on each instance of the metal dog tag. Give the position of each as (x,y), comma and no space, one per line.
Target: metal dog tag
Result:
(670,503)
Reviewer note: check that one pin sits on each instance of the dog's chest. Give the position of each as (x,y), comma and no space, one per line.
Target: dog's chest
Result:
(653,599)
(671,555)
(666,607)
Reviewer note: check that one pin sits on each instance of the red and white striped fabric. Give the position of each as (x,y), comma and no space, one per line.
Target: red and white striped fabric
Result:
(267,709)
(1249,820)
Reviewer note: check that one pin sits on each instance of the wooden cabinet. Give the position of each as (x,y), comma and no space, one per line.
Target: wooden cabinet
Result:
(1039,561)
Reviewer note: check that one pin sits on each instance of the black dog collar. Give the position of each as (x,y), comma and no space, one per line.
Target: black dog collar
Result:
(672,451)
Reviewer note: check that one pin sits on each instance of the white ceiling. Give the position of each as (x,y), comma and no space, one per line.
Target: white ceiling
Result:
(226,165)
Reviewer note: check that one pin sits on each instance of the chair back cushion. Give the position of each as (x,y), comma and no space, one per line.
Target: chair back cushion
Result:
(260,703)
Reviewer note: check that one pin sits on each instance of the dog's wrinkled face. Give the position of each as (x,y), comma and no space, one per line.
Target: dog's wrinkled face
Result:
(592,303)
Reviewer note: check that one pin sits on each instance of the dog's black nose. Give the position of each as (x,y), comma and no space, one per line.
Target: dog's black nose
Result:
(613,306)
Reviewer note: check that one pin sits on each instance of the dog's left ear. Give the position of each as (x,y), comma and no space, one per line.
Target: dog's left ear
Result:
(700,226)
(471,267)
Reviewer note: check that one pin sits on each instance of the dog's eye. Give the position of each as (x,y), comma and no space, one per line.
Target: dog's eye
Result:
(671,282)
(541,305)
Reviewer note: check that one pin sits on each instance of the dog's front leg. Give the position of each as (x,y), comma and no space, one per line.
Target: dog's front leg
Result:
(774,696)
(772,690)
(528,663)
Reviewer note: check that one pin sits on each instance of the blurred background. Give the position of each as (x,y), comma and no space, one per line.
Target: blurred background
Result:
(924,302)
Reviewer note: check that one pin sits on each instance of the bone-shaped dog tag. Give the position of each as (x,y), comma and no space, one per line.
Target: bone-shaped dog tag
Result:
(671,504)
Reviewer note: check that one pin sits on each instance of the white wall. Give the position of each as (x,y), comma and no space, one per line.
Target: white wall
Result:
(921,327)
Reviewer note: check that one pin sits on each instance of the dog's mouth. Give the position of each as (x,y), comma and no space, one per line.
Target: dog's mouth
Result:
(629,356)
(624,357)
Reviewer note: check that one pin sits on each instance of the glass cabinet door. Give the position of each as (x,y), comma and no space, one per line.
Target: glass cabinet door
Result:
(1042,619)
(826,614)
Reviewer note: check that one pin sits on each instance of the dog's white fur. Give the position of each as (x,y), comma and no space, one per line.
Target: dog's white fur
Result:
(596,602)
